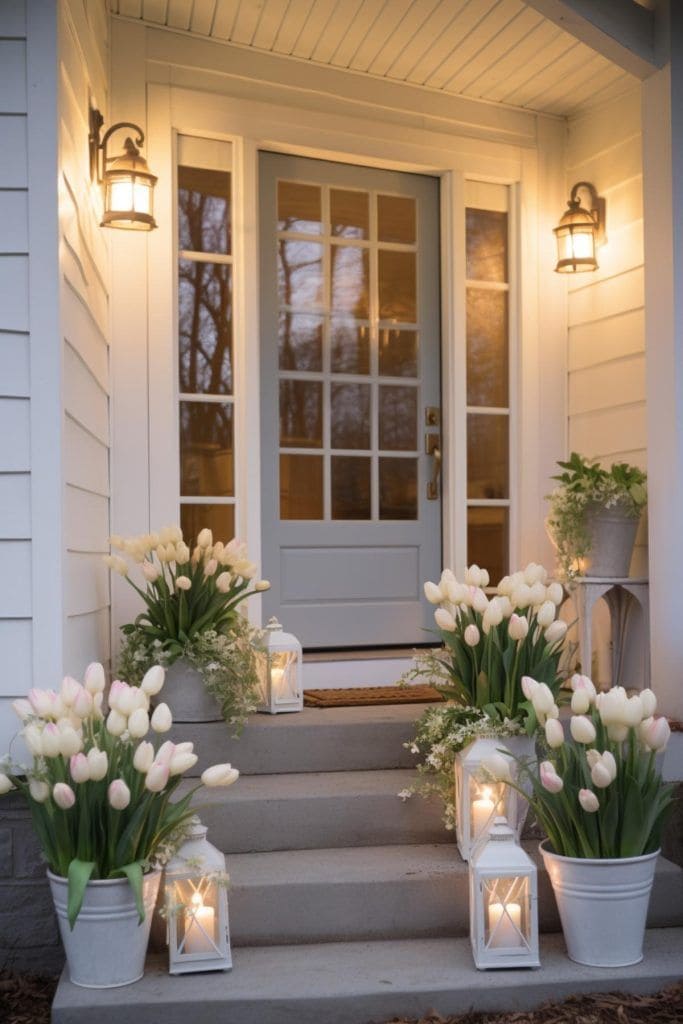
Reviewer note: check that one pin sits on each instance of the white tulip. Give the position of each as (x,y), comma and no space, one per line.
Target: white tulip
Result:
(205,538)
(63,796)
(583,683)
(153,680)
(656,735)
(83,705)
(472,576)
(94,681)
(582,729)
(261,585)
(554,733)
(41,702)
(79,768)
(98,763)
(480,601)
(505,586)
(127,700)
(23,709)
(634,711)
(555,593)
(535,573)
(497,765)
(581,702)
(165,753)
(471,635)
(150,571)
(542,699)
(138,724)
(69,690)
(546,614)
(555,632)
(118,795)
(143,757)
(649,702)
(529,687)
(156,777)
(51,740)
(537,594)
(6,784)
(183,583)
(162,720)
(444,620)
(182,554)
(176,534)
(39,790)
(70,741)
(589,801)
(116,723)
(600,776)
(493,615)
(181,762)
(505,605)
(166,535)
(521,596)
(33,738)
(518,627)
(219,775)
(433,593)
(223,582)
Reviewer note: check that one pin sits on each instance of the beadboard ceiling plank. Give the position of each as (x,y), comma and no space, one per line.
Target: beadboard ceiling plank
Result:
(363,25)
(292,25)
(342,16)
(423,49)
(269,23)
(179,14)
(376,39)
(492,20)
(246,22)
(224,20)
(507,40)
(402,34)
(202,17)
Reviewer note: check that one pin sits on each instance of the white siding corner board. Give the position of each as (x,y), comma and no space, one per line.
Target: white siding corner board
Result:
(15,381)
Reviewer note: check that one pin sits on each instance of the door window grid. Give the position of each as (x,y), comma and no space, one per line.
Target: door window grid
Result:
(206,448)
(381,460)
(488,390)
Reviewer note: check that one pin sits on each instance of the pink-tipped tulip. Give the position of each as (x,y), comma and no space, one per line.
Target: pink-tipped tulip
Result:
(63,796)
(156,778)
(118,795)
(589,801)
(550,780)
(79,768)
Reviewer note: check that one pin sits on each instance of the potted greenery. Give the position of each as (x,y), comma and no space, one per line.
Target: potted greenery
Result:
(191,623)
(594,516)
(489,644)
(602,803)
(99,795)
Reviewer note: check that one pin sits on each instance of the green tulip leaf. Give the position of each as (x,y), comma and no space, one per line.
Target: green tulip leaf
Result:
(79,875)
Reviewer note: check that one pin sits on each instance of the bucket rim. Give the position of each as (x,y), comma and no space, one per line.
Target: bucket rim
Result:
(609,861)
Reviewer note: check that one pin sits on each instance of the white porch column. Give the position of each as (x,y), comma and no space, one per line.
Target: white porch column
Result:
(663,215)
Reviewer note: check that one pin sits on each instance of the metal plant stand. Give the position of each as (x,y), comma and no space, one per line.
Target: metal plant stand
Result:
(626,600)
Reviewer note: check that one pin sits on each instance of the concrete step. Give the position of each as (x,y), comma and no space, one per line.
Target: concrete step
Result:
(382,892)
(358,982)
(313,740)
(317,811)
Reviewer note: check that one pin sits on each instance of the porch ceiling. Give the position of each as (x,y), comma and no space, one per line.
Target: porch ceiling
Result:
(501,51)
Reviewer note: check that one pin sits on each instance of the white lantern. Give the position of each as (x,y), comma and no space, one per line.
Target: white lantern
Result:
(197,906)
(503,902)
(281,684)
(478,799)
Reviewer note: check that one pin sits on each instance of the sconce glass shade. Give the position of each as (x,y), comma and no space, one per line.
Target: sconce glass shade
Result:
(129,192)
(503,902)
(197,906)
(281,669)
(575,236)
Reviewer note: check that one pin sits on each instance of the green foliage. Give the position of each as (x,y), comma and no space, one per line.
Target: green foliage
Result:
(585,487)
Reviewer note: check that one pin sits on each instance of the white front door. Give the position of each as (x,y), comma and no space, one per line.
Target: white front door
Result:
(350,388)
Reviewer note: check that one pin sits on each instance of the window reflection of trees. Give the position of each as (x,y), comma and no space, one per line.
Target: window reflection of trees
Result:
(205,327)
(206,463)
(203,210)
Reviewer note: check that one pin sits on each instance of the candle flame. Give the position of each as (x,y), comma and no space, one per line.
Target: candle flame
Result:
(487,793)
(197,901)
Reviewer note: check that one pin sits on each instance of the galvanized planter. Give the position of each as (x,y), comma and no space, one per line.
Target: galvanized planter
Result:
(612,535)
(186,695)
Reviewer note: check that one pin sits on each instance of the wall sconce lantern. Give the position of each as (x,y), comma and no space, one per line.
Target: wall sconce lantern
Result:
(580,231)
(197,906)
(503,902)
(478,800)
(128,181)
(281,683)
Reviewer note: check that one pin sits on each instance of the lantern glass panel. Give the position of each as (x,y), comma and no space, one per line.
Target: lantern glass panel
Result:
(283,676)
(507,912)
(196,906)
(129,192)
(487,801)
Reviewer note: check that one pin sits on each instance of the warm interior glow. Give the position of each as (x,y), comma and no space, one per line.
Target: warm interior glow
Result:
(125,195)
(197,901)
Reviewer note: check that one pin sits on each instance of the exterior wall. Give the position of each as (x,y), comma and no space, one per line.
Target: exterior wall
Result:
(606,315)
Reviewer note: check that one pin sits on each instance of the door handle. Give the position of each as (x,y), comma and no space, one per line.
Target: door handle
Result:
(433,484)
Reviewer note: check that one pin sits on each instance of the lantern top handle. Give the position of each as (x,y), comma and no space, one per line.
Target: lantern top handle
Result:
(500,831)
(274,625)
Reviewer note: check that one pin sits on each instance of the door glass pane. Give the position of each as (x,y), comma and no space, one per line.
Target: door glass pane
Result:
(397,286)
(203,210)
(397,488)
(206,451)
(299,208)
(487,540)
(220,519)
(487,241)
(350,415)
(350,487)
(397,418)
(301,414)
(350,346)
(487,348)
(397,352)
(396,219)
(300,274)
(487,456)
(205,327)
(349,213)
(300,341)
(301,487)
(350,278)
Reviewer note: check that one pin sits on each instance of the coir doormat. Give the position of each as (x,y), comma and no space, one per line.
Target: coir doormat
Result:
(367,695)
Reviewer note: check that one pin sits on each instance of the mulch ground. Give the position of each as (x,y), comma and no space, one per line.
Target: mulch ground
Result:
(664,1007)
(26,999)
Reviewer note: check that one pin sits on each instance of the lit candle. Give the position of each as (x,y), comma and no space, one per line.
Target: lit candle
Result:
(506,919)
(198,921)
(277,676)
(482,812)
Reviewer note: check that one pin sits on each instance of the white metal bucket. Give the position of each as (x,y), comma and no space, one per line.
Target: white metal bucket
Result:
(603,906)
(107,946)
(612,536)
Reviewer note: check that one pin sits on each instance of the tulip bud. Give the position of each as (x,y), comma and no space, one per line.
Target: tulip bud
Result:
(472,576)
(521,596)
(23,709)
(6,784)
(176,534)
(554,733)
(529,687)
(150,571)
(156,777)
(127,700)
(550,780)
(649,703)
(493,616)
(83,704)
(210,567)
(471,635)
(41,702)
(51,740)
(183,583)
(433,593)
(518,627)
(143,757)
(138,724)
(535,573)
(455,592)
(261,585)
(70,741)
(617,732)
(589,801)
(39,790)
(116,723)
(182,554)
(63,795)
(205,538)
(79,767)
(182,761)
(546,614)
(69,690)
(656,734)
(555,593)
(537,595)
(444,620)
(98,763)
(582,729)
(165,753)
(497,765)
(162,720)
(94,681)
(555,632)
(219,775)
(224,582)
(600,775)
(118,795)
(581,702)
(153,680)
(480,601)
(33,738)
